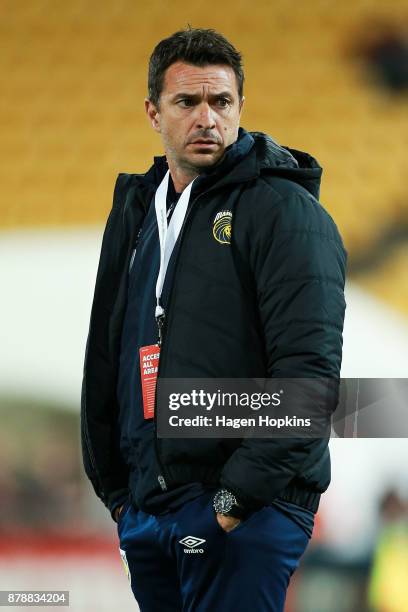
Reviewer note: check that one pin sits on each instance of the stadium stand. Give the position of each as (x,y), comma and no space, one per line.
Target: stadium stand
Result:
(72,110)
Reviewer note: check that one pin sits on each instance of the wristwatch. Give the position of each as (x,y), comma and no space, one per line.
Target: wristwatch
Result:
(226,503)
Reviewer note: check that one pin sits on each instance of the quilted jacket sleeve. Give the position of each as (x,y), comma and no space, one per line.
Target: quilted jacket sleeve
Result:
(102,460)
(298,262)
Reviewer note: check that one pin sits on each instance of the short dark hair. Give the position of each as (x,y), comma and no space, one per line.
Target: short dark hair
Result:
(196,46)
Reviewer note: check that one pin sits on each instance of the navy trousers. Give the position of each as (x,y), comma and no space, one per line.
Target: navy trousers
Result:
(183,561)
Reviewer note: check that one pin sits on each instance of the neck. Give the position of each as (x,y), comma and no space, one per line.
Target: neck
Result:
(181,176)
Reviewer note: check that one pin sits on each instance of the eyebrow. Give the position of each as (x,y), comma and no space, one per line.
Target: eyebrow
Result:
(222,94)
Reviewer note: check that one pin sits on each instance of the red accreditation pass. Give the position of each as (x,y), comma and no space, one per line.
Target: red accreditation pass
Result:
(149,365)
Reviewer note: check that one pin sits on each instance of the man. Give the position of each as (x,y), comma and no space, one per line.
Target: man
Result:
(251,286)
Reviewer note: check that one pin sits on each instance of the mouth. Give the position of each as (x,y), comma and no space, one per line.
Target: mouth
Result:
(204,143)
(205,140)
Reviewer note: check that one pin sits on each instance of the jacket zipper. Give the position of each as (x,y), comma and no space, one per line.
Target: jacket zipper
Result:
(132,258)
(162,477)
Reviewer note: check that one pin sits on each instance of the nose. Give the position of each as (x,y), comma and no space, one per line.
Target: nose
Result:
(205,119)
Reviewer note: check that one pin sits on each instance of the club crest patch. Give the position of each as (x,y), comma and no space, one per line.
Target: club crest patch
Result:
(222,226)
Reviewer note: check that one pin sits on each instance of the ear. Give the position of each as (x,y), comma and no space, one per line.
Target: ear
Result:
(241,104)
(153,114)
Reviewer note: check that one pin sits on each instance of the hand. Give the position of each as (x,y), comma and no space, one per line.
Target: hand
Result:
(117,512)
(228,523)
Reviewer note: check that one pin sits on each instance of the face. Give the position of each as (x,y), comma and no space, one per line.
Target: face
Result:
(198,116)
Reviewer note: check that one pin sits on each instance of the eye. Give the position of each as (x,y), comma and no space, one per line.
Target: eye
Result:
(223,102)
(186,102)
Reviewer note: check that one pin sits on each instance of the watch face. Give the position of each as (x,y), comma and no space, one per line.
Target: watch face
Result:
(223,501)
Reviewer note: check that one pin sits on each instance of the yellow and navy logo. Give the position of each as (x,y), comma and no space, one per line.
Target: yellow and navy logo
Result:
(222,226)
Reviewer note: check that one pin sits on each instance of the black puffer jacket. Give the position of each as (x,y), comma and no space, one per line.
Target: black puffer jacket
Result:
(269,304)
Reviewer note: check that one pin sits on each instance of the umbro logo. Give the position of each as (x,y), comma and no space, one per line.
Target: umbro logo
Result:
(191,542)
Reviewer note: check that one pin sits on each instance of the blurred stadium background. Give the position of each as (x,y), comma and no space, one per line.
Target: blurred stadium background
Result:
(326,77)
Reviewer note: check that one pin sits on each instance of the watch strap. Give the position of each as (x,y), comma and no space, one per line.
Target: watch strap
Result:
(238,511)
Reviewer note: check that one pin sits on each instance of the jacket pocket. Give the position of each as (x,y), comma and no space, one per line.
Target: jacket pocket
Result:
(125,509)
